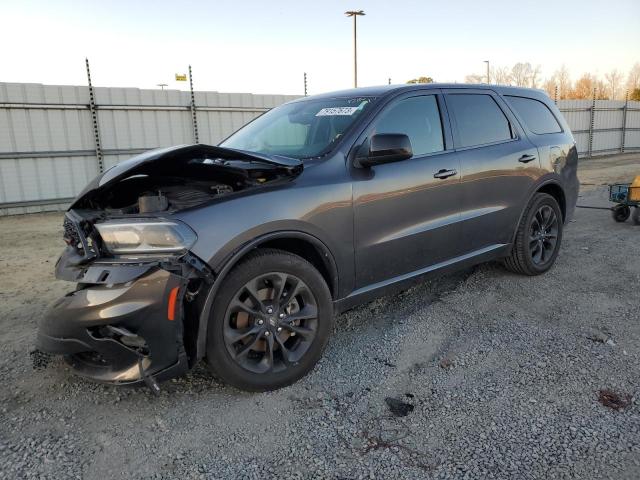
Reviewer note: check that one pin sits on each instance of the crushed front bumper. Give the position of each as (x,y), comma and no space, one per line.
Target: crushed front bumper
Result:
(120,332)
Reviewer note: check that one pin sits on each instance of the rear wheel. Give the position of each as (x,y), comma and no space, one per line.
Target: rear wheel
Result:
(636,216)
(270,321)
(538,237)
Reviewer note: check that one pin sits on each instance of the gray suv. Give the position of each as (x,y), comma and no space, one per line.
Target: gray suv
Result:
(242,253)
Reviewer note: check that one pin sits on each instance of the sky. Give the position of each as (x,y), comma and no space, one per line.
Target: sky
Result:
(265,46)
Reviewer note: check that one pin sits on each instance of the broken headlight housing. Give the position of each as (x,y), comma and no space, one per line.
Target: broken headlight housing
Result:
(145,236)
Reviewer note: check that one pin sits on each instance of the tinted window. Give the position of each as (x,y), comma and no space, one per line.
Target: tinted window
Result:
(535,114)
(479,119)
(419,119)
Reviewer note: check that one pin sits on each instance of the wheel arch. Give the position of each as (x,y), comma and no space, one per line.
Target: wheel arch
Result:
(555,190)
(299,243)
(551,187)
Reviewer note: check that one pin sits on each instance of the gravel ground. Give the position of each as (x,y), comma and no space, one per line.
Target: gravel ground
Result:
(499,376)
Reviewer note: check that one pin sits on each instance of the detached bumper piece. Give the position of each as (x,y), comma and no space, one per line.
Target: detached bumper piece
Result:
(126,333)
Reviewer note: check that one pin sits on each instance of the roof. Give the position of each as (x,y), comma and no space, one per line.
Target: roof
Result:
(387,89)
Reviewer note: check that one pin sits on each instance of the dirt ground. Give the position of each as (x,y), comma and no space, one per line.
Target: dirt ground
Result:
(503,373)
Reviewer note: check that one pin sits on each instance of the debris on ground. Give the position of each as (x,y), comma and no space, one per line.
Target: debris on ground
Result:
(398,407)
(613,400)
(446,362)
(600,336)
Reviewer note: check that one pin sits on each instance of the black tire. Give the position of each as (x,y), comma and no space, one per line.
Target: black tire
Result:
(534,252)
(254,361)
(621,213)
(635,217)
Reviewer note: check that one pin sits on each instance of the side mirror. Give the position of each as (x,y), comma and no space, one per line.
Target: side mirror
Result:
(387,148)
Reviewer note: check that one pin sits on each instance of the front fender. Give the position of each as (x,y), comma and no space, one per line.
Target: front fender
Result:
(227,264)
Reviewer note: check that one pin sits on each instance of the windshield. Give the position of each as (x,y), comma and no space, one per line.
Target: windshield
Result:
(300,129)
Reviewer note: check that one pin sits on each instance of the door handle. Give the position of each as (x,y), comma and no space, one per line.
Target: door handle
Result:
(526,158)
(444,173)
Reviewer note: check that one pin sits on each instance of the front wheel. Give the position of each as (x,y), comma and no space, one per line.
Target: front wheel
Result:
(270,321)
(538,237)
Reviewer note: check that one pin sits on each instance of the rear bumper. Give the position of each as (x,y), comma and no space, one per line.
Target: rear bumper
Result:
(93,326)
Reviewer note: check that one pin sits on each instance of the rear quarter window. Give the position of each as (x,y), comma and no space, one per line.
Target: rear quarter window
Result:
(535,114)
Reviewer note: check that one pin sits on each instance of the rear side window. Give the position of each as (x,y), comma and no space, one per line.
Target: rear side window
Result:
(479,119)
(535,114)
(419,119)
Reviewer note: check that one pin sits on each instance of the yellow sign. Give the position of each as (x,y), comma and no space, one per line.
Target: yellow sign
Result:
(181,77)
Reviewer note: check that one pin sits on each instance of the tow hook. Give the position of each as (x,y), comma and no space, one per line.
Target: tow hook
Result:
(149,380)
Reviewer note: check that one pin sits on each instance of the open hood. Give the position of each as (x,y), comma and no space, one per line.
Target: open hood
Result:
(188,165)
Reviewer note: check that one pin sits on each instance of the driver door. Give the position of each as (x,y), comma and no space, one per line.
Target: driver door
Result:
(406,214)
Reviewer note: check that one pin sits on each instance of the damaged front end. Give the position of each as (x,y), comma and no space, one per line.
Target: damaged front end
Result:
(134,315)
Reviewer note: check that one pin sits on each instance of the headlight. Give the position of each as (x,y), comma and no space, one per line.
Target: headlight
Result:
(155,236)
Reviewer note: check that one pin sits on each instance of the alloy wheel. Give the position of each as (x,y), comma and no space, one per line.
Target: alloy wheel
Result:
(270,323)
(543,236)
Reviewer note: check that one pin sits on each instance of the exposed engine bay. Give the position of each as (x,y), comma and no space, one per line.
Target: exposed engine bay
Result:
(180,178)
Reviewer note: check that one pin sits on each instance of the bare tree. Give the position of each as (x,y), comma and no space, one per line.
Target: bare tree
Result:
(549,86)
(521,74)
(501,75)
(602,91)
(633,80)
(563,80)
(614,79)
(535,76)
(475,78)
(421,80)
(584,86)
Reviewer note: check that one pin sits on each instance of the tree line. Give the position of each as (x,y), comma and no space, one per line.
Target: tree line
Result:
(560,85)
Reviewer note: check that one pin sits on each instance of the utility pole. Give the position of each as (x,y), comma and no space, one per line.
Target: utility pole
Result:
(488,77)
(305,84)
(162,85)
(355,14)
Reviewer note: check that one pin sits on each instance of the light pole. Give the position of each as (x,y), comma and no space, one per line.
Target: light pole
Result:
(355,14)
(162,85)
(488,78)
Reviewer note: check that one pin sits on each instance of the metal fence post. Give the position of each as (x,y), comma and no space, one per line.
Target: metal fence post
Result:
(194,118)
(591,123)
(94,118)
(624,121)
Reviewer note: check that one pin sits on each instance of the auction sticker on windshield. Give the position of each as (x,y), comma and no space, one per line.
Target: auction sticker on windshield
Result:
(329,111)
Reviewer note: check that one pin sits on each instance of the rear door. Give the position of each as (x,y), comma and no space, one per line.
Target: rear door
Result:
(498,166)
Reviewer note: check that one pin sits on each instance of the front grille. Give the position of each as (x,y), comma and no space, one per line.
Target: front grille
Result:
(71,234)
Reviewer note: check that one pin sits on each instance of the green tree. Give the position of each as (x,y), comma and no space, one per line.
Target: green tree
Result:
(421,80)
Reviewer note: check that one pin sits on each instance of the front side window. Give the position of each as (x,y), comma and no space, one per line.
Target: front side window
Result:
(479,119)
(419,119)
(535,114)
(300,129)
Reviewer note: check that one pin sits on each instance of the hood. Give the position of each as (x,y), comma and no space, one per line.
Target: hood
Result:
(160,158)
